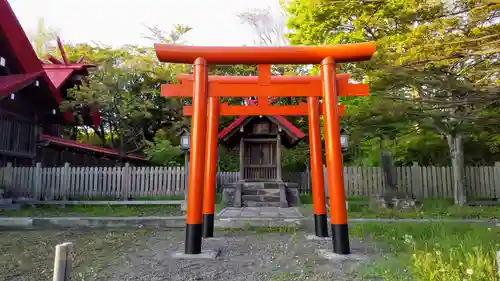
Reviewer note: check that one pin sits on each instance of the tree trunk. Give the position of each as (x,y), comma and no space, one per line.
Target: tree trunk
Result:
(387,166)
(455,144)
(99,131)
(121,149)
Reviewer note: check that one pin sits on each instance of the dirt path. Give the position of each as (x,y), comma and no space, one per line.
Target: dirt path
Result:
(244,256)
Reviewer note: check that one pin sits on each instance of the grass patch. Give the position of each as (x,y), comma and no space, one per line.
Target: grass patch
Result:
(140,198)
(431,208)
(307,199)
(434,251)
(160,198)
(95,211)
(107,210)
(29,255)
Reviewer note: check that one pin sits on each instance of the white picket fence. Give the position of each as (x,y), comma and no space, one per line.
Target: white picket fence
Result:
(63,183)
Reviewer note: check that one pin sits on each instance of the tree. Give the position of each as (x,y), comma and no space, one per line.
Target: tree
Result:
(438,58)
(270,30)
(43,38)
(126,89)
(162,152)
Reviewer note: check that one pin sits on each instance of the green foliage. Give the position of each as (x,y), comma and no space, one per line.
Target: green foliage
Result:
(295,159)
(162,152)
(229,160)
(434,75)
(125,87)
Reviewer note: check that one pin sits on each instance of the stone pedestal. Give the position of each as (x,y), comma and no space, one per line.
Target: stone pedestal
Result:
(261,194)
(393,200)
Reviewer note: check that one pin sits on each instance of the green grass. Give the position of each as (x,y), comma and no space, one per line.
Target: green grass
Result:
(106,210)
(143,198)
(431,208)
(433,251)
(95,211)
(307,199)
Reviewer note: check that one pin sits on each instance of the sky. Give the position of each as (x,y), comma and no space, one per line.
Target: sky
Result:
(119,22)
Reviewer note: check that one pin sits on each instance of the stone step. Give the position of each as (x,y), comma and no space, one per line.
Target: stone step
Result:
(262,185)
(261,204)
(260,198)
(10,207)
(5,201)
(248,191)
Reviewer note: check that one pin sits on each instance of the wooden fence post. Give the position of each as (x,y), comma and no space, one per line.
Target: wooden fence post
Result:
(37,182)
(496,174)
(8,175)
(65,181)
(63,262)
(416,180)
(126,182)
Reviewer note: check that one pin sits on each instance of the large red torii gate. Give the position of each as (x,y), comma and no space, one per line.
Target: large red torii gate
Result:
(204,99)
(262,107)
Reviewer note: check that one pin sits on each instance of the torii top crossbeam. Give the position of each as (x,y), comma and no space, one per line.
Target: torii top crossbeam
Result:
(265,55)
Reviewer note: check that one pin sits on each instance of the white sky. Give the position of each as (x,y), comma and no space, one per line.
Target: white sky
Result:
(118,22)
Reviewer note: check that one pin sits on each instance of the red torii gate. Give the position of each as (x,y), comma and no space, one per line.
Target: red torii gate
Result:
(265,87)
(185,89)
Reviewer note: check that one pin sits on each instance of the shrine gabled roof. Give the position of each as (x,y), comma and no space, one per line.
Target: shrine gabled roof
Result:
(283,122)
(18,44)
(12,83)
(54,75)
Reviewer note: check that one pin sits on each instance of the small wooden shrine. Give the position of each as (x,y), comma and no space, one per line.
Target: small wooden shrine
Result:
(260,140)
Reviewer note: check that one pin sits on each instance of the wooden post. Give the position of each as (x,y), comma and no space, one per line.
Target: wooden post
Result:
(69,260)
(63,262)
(126,182)
(37,182)
(496,174)
(242,159)
(416,178)
(65,181)
(60,263)
(278,158)
(8,175)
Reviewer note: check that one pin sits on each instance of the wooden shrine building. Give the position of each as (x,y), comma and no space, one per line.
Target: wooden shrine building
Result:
(31,92)
(259,140)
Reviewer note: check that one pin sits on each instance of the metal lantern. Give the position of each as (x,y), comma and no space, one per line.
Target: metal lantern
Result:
(344,141)
(185,140)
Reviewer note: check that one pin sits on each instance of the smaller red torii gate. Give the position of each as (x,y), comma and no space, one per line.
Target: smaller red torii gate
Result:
(206,95)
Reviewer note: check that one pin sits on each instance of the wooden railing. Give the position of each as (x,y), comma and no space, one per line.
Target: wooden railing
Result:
(260,172)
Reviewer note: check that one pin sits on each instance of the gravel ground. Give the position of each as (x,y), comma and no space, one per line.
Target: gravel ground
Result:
(29,255)
(245,256)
